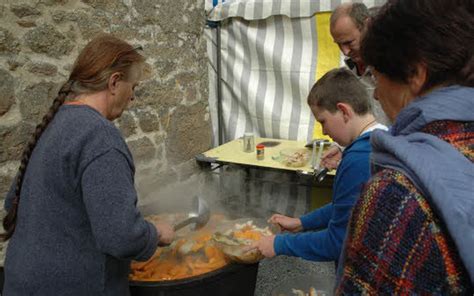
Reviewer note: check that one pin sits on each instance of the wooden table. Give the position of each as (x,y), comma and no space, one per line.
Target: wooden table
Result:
(232,153)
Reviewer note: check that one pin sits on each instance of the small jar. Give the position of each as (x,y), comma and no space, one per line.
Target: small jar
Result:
(260,152)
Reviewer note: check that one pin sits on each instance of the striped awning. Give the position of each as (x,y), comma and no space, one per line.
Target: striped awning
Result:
(272,52)
(218,10)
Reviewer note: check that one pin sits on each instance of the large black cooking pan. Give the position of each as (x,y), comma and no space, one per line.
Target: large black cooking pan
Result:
(230,280)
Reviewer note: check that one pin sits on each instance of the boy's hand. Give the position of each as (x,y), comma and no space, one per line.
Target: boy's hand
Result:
(286,223)
(165,232)
(331,158)
(264,245)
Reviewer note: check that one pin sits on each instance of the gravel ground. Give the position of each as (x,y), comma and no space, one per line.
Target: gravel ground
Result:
(275,272)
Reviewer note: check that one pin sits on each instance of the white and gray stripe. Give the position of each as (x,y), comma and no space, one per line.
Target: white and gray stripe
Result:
(269,56)
(254,9)
(268,53)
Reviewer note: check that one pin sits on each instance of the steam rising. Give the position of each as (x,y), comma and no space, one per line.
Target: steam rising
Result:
(232,191)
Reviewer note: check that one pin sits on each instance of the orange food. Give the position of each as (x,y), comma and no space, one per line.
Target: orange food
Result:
(248,232)
(172,264)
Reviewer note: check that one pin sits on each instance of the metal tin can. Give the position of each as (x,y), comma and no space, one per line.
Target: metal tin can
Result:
(248,142)
(260,152)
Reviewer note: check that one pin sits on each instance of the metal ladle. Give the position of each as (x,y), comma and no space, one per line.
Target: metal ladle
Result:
(199,215)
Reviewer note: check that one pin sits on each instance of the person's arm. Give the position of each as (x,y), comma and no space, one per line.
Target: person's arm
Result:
(307,245)
(110,200)
(317,219)
(326,245)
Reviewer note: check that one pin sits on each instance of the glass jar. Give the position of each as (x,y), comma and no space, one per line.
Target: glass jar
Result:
(260,152)
(248,142)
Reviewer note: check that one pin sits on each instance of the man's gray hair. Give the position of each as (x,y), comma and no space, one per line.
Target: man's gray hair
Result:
(358,12)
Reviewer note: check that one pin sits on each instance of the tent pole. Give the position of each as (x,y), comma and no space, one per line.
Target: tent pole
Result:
(220,128)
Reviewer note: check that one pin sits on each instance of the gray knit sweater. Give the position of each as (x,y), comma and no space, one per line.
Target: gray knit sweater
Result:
(78,225)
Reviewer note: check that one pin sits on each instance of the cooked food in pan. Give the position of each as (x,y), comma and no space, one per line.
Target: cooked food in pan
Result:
(188,256)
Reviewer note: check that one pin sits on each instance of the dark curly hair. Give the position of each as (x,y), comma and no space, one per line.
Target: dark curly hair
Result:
(437,33)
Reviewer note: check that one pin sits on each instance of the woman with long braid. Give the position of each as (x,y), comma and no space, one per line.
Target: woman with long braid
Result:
(72,219)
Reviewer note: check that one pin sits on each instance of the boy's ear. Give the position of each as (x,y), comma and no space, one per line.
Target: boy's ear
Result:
(346,111)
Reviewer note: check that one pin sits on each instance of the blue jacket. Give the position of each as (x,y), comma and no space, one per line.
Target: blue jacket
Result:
(326,244)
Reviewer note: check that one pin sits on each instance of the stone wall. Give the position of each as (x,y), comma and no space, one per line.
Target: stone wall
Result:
(168,123)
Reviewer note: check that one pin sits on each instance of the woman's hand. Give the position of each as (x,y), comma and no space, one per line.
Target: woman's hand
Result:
(165,232)
(264,245)
(286,223)
(331,158)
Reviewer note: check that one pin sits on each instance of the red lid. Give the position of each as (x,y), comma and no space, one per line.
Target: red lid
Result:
(260,146)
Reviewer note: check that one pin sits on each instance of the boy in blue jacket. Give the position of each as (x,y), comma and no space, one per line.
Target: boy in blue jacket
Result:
(339,101)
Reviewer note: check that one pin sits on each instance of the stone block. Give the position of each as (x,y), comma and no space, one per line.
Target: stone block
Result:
(61,16)
(107,5)
(147,11)
(5,183)
(23,10)
(143,149)
(127,124)
(8,43)
(13,140)
(7,91)
(184,79)
(166,63)
(159,139)
(188,133)
(91,23)
(16,61)
(148,120)
(26,23)
(158,95)
(126,33)
(53,2)
(169,16)
(36,99)
(42,68)
(46,39)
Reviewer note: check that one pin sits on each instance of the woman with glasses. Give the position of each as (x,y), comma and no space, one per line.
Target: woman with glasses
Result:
(412,229)
(72,222)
